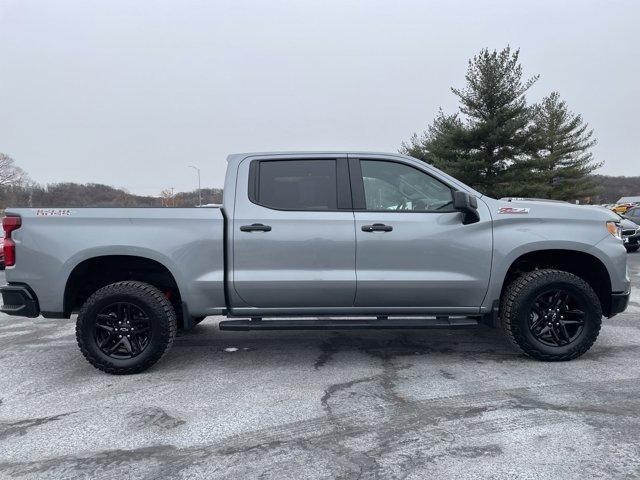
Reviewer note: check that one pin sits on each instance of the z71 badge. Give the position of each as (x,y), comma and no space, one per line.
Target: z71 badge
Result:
(513,210)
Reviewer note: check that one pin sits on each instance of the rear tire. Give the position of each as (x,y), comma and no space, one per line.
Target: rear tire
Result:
(532,323)
(125,327)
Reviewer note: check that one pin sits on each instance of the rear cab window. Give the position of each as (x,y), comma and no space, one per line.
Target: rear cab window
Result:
(294,184)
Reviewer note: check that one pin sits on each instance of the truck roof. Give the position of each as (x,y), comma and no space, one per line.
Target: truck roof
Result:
(309,153)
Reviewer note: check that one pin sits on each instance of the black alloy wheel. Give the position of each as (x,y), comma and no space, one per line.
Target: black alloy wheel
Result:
(122,330)
(126,327)
(557,318)
(550,314)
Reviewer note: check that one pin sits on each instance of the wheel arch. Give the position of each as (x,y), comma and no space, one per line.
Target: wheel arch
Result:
(580,263)
(95,272)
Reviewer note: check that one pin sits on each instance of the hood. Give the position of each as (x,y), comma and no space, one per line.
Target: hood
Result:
(627,224)
(549,209)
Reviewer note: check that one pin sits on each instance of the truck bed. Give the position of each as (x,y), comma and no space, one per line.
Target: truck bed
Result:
(189,242)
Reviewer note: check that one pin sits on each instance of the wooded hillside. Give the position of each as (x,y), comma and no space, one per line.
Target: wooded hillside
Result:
(96,195)
(612,188)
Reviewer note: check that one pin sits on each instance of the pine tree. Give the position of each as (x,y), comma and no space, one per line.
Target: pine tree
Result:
(563,158)
(443,146)
(491,148)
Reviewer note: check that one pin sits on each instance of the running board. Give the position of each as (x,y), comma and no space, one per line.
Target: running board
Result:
(347,324)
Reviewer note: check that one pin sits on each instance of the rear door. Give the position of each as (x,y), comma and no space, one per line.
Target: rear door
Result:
(413,252)
(294,234)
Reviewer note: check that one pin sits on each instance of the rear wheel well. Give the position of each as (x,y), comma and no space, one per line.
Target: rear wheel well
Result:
(581,264)
(92,274)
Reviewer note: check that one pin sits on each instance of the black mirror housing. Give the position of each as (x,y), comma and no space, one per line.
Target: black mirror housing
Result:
(468,205)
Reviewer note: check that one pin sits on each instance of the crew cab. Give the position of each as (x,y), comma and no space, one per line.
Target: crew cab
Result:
(319,240)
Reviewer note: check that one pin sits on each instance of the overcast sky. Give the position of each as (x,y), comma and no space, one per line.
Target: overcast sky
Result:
(129,93)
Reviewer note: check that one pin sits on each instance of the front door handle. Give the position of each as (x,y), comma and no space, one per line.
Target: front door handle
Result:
(255,227)
(377,227)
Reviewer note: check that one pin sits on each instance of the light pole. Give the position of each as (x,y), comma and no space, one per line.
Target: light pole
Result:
(199,189)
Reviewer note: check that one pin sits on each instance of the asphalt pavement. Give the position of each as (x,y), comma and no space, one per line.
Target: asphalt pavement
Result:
(345,404)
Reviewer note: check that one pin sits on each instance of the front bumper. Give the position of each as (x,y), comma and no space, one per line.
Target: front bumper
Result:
(632,239)
(19,300)
(619,302)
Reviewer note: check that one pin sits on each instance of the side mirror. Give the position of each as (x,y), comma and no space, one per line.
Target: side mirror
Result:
(468,205)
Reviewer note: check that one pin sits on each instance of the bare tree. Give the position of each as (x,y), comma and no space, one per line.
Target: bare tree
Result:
(168,200)
(10,173)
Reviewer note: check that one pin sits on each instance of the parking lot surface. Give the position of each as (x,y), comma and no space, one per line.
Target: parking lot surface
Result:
(344,404)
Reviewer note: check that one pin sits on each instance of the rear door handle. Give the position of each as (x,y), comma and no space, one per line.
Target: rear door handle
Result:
(255,227)
(377,227)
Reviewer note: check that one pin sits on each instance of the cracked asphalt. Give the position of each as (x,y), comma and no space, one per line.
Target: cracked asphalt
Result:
(375,404)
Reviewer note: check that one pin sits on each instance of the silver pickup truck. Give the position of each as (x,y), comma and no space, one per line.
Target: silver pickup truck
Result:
(356,240)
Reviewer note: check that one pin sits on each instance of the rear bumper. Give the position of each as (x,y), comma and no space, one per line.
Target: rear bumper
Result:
(619,302)
(19,300)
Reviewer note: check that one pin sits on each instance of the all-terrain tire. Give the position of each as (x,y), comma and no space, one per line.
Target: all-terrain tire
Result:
(161,315)
(517,302)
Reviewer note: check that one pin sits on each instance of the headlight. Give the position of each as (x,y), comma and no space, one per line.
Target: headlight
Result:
(615,229)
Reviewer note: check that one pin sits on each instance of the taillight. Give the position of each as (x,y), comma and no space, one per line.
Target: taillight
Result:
(9,224)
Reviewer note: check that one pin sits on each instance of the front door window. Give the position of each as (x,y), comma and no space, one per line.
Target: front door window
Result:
(390,186)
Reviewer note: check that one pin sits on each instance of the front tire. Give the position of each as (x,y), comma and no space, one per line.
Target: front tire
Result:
(551,315)
(125,327)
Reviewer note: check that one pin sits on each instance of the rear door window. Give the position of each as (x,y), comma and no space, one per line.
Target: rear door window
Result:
(296,184)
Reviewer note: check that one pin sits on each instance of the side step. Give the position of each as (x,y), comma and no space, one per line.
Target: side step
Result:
(347,324)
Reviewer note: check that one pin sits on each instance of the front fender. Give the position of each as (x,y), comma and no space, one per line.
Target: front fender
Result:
(518,236)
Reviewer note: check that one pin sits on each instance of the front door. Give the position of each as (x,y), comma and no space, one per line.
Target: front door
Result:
(413,252)
(293,234)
